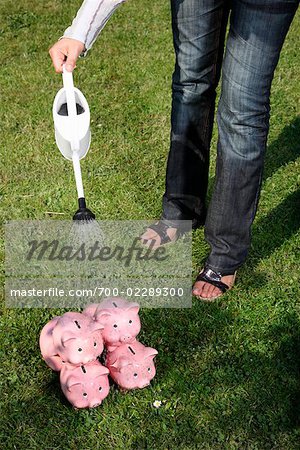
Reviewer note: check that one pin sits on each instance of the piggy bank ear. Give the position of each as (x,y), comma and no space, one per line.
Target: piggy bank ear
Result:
(96,326)
(103,314)
(103,371)
(66,337)
(150,352)
(134,307)
(120,363)
(72,382)
(90,309)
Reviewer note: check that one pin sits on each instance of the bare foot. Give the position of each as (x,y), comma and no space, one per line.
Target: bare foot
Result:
(203,289)
(149,236)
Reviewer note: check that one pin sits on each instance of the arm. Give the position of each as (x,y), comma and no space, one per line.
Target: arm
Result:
(80,36)
(90,20)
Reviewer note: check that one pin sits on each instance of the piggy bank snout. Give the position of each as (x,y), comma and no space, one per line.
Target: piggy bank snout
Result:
(85,360)
(126,338)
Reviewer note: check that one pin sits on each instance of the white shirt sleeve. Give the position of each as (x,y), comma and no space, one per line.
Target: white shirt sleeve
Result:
(90,20)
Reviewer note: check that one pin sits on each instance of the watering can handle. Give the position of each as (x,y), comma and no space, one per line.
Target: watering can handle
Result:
(71,105)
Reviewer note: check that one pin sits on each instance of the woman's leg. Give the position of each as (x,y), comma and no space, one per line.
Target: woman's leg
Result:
(257,32)
(198,34)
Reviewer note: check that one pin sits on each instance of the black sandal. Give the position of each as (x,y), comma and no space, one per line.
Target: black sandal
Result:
(214,278)
(161,228)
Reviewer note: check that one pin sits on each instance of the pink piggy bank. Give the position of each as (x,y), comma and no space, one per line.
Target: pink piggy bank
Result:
(119,318)
(77,338)
(131,366)
(48,350)
(85,386)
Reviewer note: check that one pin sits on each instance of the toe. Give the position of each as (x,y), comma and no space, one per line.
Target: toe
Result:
(149,234)
(153,239)
(214,292)
(197,288)
(153,243)
(206,290)
(150,238)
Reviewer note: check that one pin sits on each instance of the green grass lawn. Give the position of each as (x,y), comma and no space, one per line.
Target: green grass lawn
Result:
(228,373)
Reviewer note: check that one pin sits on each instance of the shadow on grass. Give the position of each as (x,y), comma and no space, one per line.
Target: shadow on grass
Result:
(284,149)
(234,396)
(272,231)
(176,332)
(265,394)
(281,151)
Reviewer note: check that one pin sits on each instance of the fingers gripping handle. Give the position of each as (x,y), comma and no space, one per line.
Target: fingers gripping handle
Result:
(71,105)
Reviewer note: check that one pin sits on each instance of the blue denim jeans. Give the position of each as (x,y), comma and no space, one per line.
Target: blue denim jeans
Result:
(256,34)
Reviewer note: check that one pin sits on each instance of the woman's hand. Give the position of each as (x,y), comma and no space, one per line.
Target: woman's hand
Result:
(66,51)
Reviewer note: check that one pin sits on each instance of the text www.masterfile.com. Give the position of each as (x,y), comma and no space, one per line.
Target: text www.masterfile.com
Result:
(98,291)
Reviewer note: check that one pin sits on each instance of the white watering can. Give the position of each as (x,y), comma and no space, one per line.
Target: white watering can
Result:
(71,115)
